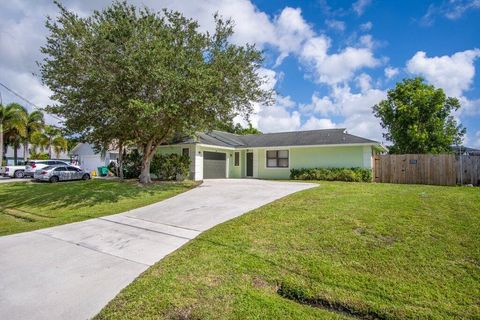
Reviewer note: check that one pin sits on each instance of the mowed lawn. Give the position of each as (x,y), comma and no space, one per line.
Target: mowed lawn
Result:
(339,251)
(29,206)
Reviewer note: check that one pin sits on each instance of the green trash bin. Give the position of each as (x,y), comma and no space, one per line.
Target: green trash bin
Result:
(102,171)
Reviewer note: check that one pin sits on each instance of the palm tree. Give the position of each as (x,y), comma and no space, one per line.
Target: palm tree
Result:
(12,127)
(59,144)
(35,123)
(51,139)
(39,141)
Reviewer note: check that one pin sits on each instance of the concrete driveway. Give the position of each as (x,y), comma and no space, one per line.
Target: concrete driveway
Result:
(72,271)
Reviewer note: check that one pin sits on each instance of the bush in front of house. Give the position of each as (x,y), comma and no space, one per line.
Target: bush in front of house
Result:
(170,166)
(332,174)
(132,164)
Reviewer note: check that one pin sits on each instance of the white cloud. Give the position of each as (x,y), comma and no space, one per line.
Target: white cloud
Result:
(391,72)
(354,108)
(360,5)
(337,67)
(452,10)
(291,32)
(367,26)
(336,24)
(314,123)
(364,82)
(476,140)
(452,73)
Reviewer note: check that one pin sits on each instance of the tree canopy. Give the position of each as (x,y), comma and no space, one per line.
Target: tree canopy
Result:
(418,118)
(129,74)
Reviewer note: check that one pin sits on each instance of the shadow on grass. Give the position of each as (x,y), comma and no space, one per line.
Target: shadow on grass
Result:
(74,194)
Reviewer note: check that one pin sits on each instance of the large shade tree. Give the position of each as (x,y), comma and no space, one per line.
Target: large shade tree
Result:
(128,74)
(418,118)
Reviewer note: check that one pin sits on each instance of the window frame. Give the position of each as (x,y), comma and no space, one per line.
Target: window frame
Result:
(236,161)
(277,158)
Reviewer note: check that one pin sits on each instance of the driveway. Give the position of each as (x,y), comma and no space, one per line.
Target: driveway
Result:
(72,271)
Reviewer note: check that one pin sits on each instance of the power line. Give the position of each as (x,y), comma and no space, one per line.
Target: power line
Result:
(27,101)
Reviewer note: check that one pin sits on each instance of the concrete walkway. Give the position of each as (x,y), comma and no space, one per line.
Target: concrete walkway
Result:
(72,271)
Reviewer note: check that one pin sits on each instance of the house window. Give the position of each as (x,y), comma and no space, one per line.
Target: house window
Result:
(186,152)
(237,159)
(277,159)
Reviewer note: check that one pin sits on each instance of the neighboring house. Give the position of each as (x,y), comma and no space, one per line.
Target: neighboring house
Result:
(466,151)
(220,154)
(9,155)
(85,156)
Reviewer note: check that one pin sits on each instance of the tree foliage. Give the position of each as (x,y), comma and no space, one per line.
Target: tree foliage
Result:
(128,74)
(418,118)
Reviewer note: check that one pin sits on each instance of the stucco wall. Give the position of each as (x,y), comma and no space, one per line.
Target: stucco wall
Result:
(315,157)
(303,157)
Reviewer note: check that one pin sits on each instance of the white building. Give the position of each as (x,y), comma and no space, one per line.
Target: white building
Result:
(9,155)
(86,157)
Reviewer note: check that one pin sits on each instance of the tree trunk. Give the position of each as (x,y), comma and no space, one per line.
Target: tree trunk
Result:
(1,144)
(25,152)
(120,160)
(15,154)
(148,152)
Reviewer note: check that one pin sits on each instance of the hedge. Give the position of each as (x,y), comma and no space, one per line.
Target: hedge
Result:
(332,174)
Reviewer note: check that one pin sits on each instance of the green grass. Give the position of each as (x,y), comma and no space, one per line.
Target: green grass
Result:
(30,206)
(339,251)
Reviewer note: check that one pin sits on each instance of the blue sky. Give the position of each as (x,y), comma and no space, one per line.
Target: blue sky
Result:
(329,61)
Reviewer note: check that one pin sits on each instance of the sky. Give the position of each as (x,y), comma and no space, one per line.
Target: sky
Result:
(328,61)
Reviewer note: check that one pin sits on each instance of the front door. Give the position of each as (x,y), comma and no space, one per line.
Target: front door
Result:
(249,164)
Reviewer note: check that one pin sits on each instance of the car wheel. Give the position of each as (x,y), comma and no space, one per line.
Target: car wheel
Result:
(86,176)
(54,179)
(19,174)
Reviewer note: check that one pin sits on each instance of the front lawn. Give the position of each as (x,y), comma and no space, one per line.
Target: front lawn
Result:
(30,206)
(339,251)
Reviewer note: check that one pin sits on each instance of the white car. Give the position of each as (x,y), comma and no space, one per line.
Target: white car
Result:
(13,171)
(34,165)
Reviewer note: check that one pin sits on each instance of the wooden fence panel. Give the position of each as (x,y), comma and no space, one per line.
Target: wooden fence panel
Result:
(468,170)
(442,169)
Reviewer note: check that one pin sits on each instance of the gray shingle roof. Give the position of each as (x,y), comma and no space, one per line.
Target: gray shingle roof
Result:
(279,139)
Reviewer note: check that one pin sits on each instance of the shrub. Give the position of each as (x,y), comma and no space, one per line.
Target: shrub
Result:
(112,167)
(332,174)
(132,164)
(170,166)
(39,155)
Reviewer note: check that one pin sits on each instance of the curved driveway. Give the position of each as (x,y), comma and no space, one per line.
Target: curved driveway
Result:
(72,271)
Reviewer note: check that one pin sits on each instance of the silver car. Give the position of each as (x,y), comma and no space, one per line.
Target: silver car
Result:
(60,173)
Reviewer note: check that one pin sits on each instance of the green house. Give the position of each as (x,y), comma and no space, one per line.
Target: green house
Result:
(218,154)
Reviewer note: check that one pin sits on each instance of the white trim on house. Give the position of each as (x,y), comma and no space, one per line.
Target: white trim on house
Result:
(198,163)
(375,145)
(214,146)
(255,163)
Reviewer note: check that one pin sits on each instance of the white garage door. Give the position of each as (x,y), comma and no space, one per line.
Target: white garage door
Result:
(91,163)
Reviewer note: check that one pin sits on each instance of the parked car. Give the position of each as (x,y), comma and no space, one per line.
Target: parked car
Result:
(33,165)
(60,173)
(13,171)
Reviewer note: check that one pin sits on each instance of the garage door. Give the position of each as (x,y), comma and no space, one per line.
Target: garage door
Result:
(214,165)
